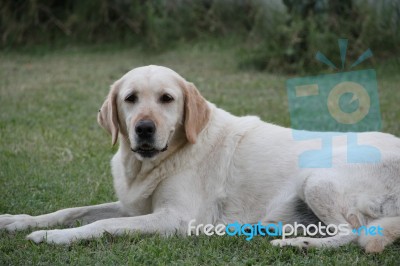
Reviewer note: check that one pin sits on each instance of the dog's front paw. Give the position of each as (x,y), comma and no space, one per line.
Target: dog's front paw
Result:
(300,242)
(61,237)
(16,222)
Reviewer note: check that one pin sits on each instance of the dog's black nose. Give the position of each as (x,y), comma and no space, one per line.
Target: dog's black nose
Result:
(145,128)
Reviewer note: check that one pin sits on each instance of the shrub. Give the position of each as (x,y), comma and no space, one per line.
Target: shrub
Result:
(270,35)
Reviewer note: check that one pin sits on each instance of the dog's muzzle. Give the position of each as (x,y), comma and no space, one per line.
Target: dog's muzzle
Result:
(148,151)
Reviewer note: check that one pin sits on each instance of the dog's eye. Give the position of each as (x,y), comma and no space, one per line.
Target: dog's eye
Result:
(131,98)
(166,98)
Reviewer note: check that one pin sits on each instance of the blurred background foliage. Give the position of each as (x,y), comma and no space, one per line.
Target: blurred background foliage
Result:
(277,35)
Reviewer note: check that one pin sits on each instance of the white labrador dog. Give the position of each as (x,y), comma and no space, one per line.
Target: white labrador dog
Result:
(181,158)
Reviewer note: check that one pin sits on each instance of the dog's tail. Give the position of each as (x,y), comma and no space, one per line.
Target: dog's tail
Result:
(376,243)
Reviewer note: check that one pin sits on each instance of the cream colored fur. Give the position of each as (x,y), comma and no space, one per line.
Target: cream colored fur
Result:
(220,168)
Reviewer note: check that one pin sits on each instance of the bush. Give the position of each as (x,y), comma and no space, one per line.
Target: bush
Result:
(270,36)
(153,23)
(288,42)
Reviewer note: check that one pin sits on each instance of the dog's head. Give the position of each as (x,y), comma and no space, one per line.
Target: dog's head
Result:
(152,106)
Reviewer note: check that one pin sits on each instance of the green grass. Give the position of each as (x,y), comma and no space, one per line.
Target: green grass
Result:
(54,155)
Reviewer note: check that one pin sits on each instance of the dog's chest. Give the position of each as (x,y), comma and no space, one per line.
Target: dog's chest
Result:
(134,193)
(131,197)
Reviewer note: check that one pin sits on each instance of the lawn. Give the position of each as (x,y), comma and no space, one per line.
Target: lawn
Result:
(53,154)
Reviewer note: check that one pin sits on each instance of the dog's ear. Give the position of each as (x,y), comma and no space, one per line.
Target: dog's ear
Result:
(197,112)
(108,113)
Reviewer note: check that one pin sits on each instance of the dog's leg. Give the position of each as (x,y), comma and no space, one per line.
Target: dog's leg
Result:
(287,207)
(68,216)
(324,199)
(377,243)
(308,242)
(165,222)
